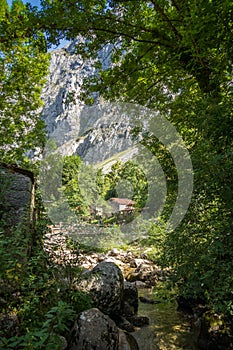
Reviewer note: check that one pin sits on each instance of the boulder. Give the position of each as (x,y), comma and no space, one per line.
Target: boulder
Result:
(94,331)
(105,284)
(130,298)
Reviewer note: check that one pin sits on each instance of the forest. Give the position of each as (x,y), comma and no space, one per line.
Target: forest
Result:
(172,56)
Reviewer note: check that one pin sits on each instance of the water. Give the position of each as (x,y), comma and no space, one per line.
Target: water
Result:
(168,329)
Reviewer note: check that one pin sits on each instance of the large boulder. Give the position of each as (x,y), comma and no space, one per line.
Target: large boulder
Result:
(105,283)
(94,331)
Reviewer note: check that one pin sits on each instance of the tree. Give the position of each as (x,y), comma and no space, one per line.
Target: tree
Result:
(192,37)
(127,181)
(175,56)
(70,181)
(23,67)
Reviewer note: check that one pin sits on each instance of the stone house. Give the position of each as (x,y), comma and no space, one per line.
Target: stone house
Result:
(115,207)
(17,192)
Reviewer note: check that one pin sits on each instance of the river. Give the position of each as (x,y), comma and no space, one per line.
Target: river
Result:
(168,329)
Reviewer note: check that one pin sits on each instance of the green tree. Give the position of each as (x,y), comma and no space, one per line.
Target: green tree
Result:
(129,180)
(23,67)
(175,56)
(70,181)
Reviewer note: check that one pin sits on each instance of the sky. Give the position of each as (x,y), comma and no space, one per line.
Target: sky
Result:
(32,2)
(37,3)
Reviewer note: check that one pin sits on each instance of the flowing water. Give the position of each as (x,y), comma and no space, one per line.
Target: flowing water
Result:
(168,329)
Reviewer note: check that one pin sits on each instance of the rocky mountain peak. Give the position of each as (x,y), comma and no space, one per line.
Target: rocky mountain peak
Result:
(94,133)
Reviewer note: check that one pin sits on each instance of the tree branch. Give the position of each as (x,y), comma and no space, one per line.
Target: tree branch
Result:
(177,8)
(169,22)
(114,32)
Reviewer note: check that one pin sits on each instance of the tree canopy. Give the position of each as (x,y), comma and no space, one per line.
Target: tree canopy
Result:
(23,67)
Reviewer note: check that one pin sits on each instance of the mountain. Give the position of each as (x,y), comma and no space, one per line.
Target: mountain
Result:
(96,132)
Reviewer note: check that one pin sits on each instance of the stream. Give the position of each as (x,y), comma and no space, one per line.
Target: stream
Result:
(168,328)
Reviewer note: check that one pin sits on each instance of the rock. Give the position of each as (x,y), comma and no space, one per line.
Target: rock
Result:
(147,300)
(17,196)
(133,276)
(116,261)
(139,321)
(131,296)
(128,310)
(101,257)
(94,133)
(124,324)
(140,262)
(127,341)
(144,273)
(106,286)
(140,284)
(64,343)
(94,331)
(115,252)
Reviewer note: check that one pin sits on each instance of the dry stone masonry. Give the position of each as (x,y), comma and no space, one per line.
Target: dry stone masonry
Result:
(16,195)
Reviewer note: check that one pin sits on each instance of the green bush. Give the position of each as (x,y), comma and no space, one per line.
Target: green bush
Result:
(42,295)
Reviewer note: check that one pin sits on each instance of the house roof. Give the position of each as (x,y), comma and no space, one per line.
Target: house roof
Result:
(123,201)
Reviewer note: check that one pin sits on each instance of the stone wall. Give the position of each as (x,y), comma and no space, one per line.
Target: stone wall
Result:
(16,195)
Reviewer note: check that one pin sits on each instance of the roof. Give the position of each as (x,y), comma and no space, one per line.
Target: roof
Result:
(123,201)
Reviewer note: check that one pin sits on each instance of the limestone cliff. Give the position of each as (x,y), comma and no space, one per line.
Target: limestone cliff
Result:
(95,133)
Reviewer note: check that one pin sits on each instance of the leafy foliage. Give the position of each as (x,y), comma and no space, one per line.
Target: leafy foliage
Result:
(125,181)
(70,181)
(23,67)
(38,304)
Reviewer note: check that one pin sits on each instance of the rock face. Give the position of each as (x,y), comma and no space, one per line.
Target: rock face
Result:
(62,105)
(94,133)
(106,286)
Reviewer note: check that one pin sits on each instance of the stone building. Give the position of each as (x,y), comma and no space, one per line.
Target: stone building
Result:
(17,188)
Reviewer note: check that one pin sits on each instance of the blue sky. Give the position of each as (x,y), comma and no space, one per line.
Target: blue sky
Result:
(33,2)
